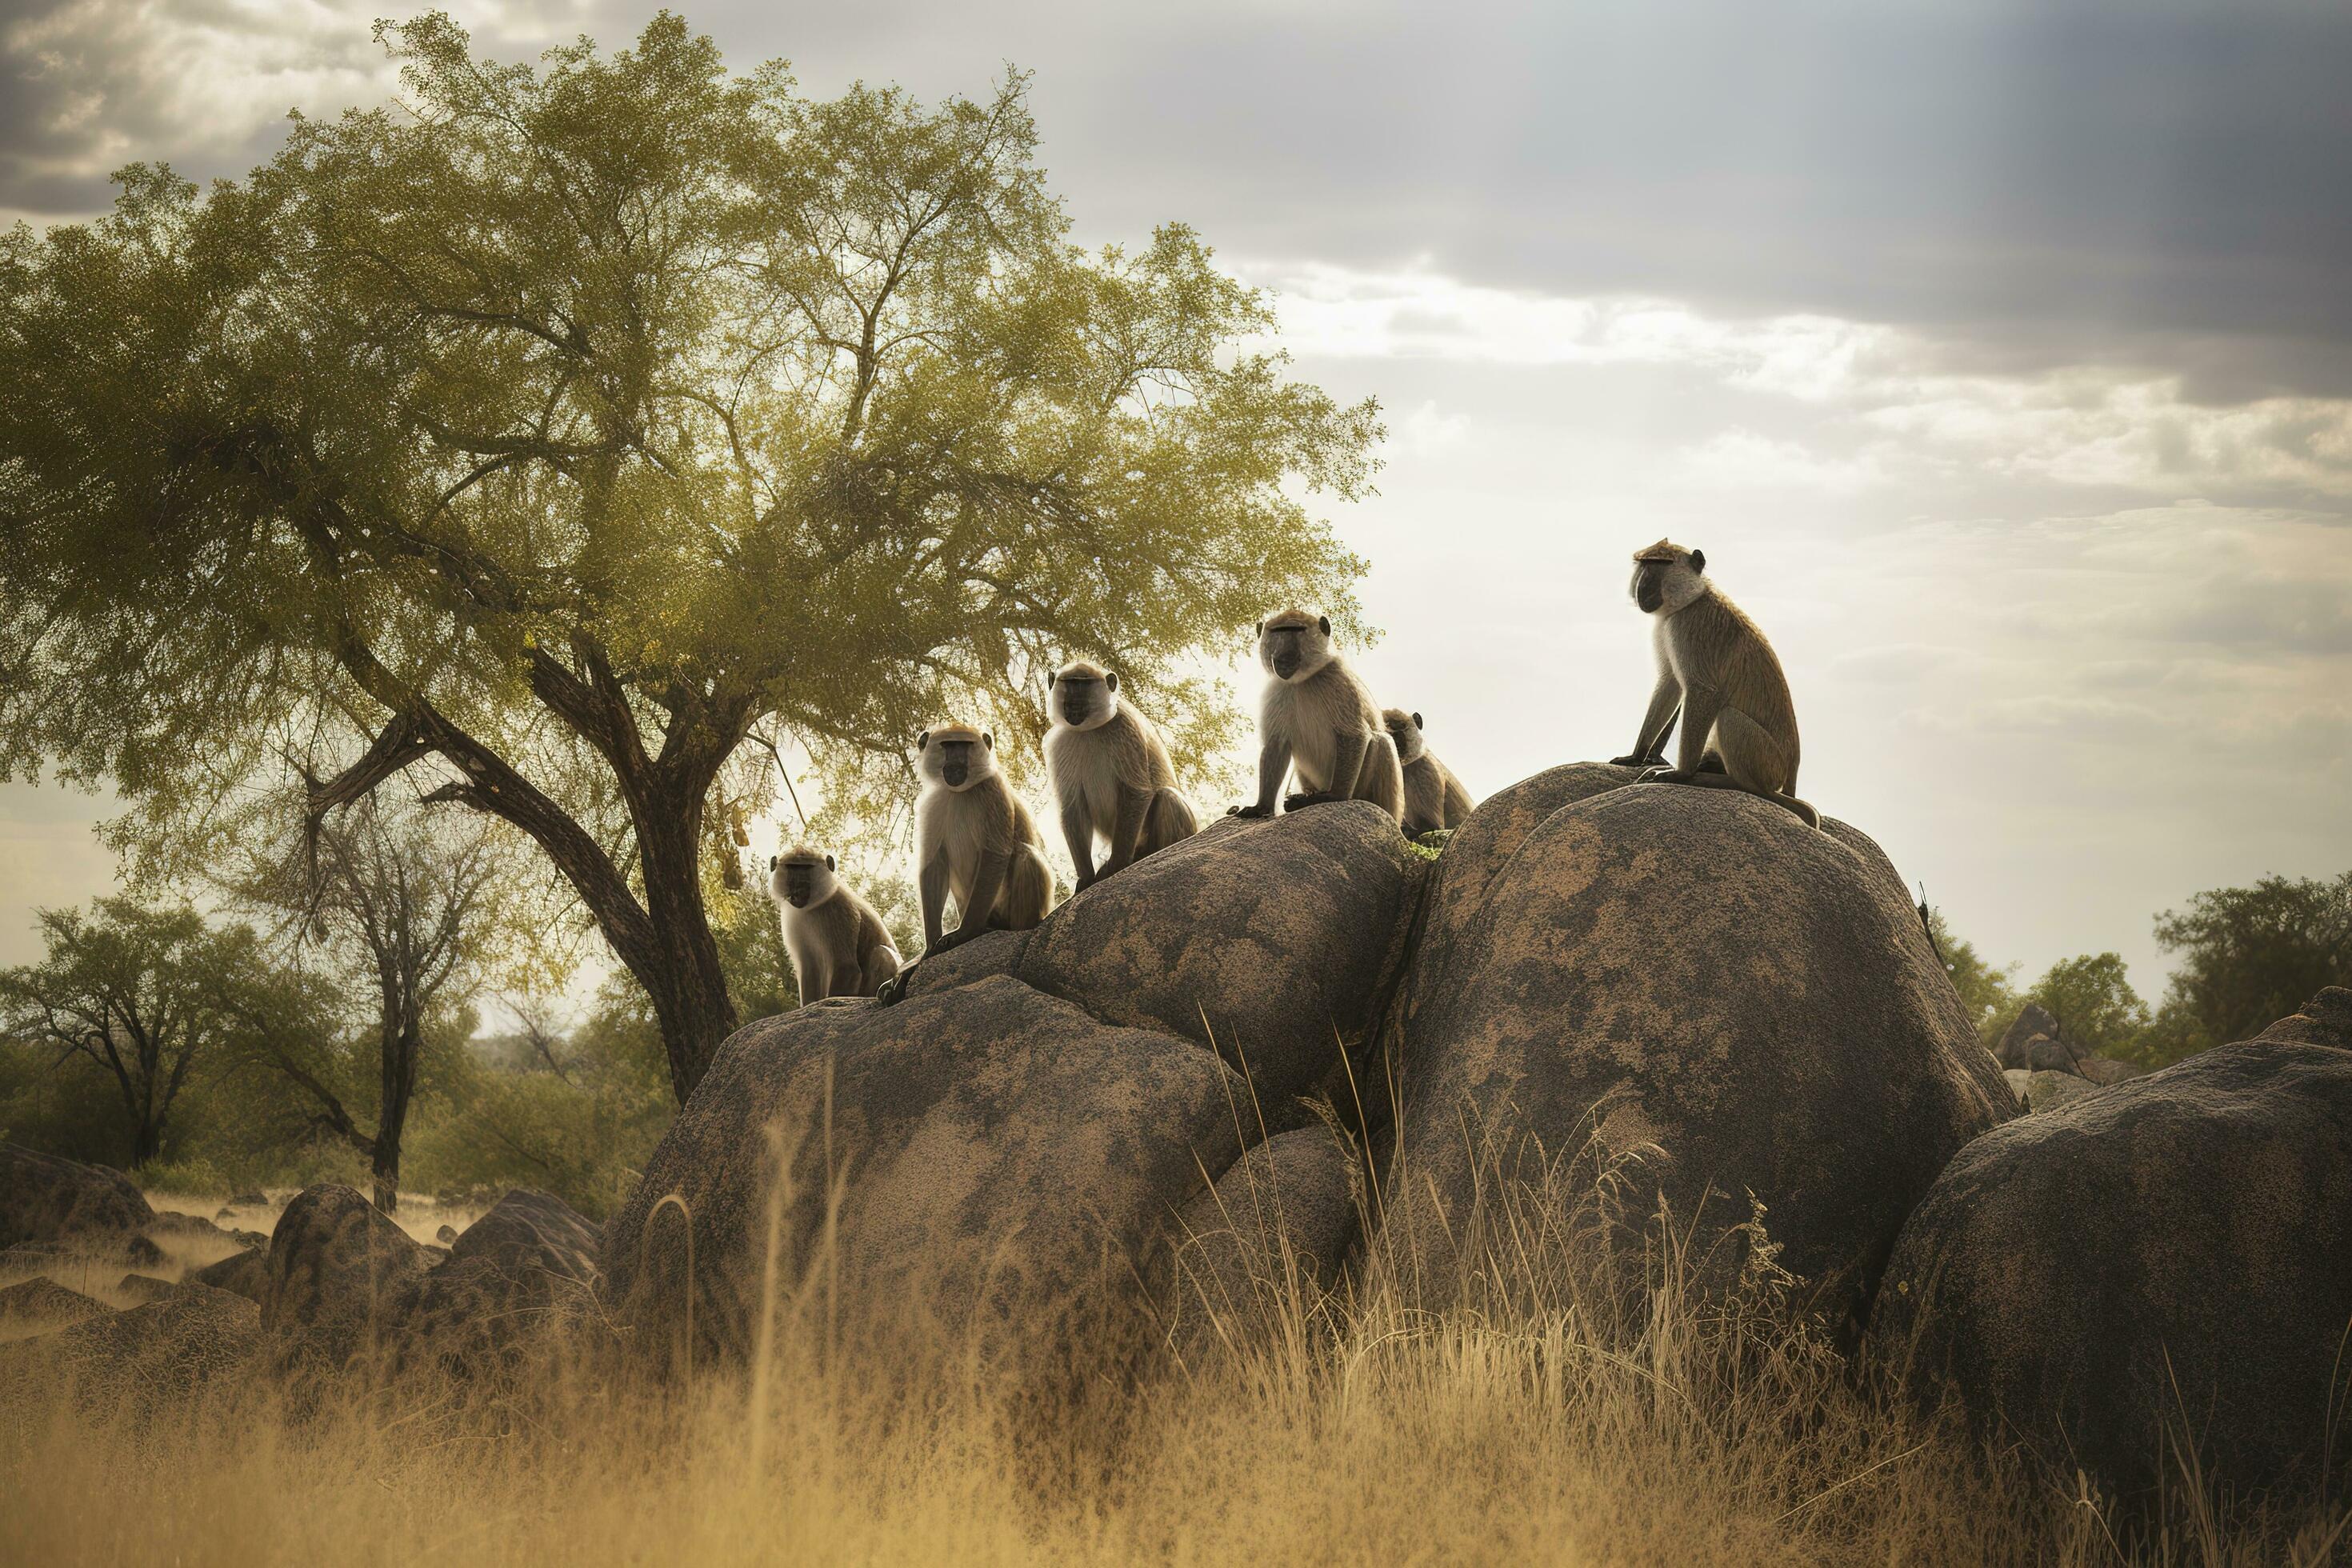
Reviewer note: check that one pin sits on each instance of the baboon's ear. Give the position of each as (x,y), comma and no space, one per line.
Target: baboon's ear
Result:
(988,739)
(1258,629)
(828,863)
(1417,723)
(772,862)
(923,741)
(1053,677)
(1698,560)
(1325,622)
(1110,681)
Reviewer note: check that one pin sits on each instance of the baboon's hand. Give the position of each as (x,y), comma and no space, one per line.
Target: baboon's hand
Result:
(1085,879)
(892,991)
(948,939)
(1252,809)
(1301,801)
(1632,761)
(1664,775)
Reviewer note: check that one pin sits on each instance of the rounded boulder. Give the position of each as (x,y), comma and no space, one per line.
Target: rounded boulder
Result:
(1725,1007)
(2154,1271)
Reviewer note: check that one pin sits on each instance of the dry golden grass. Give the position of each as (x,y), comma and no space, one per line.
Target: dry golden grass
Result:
(1554,1412)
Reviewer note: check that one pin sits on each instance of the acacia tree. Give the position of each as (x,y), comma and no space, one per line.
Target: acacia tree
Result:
(2091,996)
(2250,956)
(137,993)
(400,907)
(569,426)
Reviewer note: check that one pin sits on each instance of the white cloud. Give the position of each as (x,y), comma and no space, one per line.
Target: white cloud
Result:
(1741,460)
(1878,388)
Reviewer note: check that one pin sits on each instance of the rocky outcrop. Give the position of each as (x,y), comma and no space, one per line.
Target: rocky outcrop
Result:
(1269,940)
(31,1305)
(2150,1269)
(1007,1165)
(242,1273)
(45,1199)
(138,1361)
(2032,1022)
(514,1281)
(1263,1245)
(1716,1000)
(339,1277)
(2046,1091)
(140,1289)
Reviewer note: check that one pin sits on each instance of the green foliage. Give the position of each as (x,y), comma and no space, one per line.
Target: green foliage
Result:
(568,425)
(2248,956)
(2098,1012)
(577,1116)
(1988,995)
(136,993)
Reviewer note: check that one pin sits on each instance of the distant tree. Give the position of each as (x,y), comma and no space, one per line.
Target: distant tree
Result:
(137,993)
(1987,994)
(394,907)
(2248,957)
(562,428)
(2098,1012)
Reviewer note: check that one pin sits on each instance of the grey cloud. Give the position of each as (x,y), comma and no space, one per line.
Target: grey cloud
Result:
(2125,180)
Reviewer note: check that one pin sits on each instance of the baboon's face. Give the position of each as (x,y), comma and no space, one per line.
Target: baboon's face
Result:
(1293,645)
(1666,577)
(801,878)
(1086,697)
(959,758)
(1404,728)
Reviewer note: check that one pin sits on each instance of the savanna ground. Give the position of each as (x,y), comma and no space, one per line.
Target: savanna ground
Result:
(1555,1411)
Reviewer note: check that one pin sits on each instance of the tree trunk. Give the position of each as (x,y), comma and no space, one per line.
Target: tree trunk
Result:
(403,1044)
(146,1142)
(685,981)
(386,1171)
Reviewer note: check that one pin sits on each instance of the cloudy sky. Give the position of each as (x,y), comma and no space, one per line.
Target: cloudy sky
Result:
(1999,356)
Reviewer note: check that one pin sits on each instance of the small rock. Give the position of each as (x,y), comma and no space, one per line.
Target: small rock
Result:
(245,1274)
(142,1288)
(446,1235)
(2047,1090)
(2032,1021)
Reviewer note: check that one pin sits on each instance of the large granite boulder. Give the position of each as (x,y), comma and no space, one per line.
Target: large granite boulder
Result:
(2157,1268)
(1269,940)
(143,1361)
(1264,1245)
(1452,891)
(1002,1168)
(1727,1007)
(514,1281)
(30,1306)
(341,1276)
(46,1199)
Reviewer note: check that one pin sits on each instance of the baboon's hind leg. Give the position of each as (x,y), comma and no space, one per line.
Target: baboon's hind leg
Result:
(1381,778)
(1170,821)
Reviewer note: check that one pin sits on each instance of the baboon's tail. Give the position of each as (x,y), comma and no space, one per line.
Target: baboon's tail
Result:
(1812,818)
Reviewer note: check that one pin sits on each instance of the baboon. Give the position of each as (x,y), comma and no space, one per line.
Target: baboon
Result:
(1316,717)
(1714,667)
(839,946)
(1434,798)
(974,840)
(1110,774)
